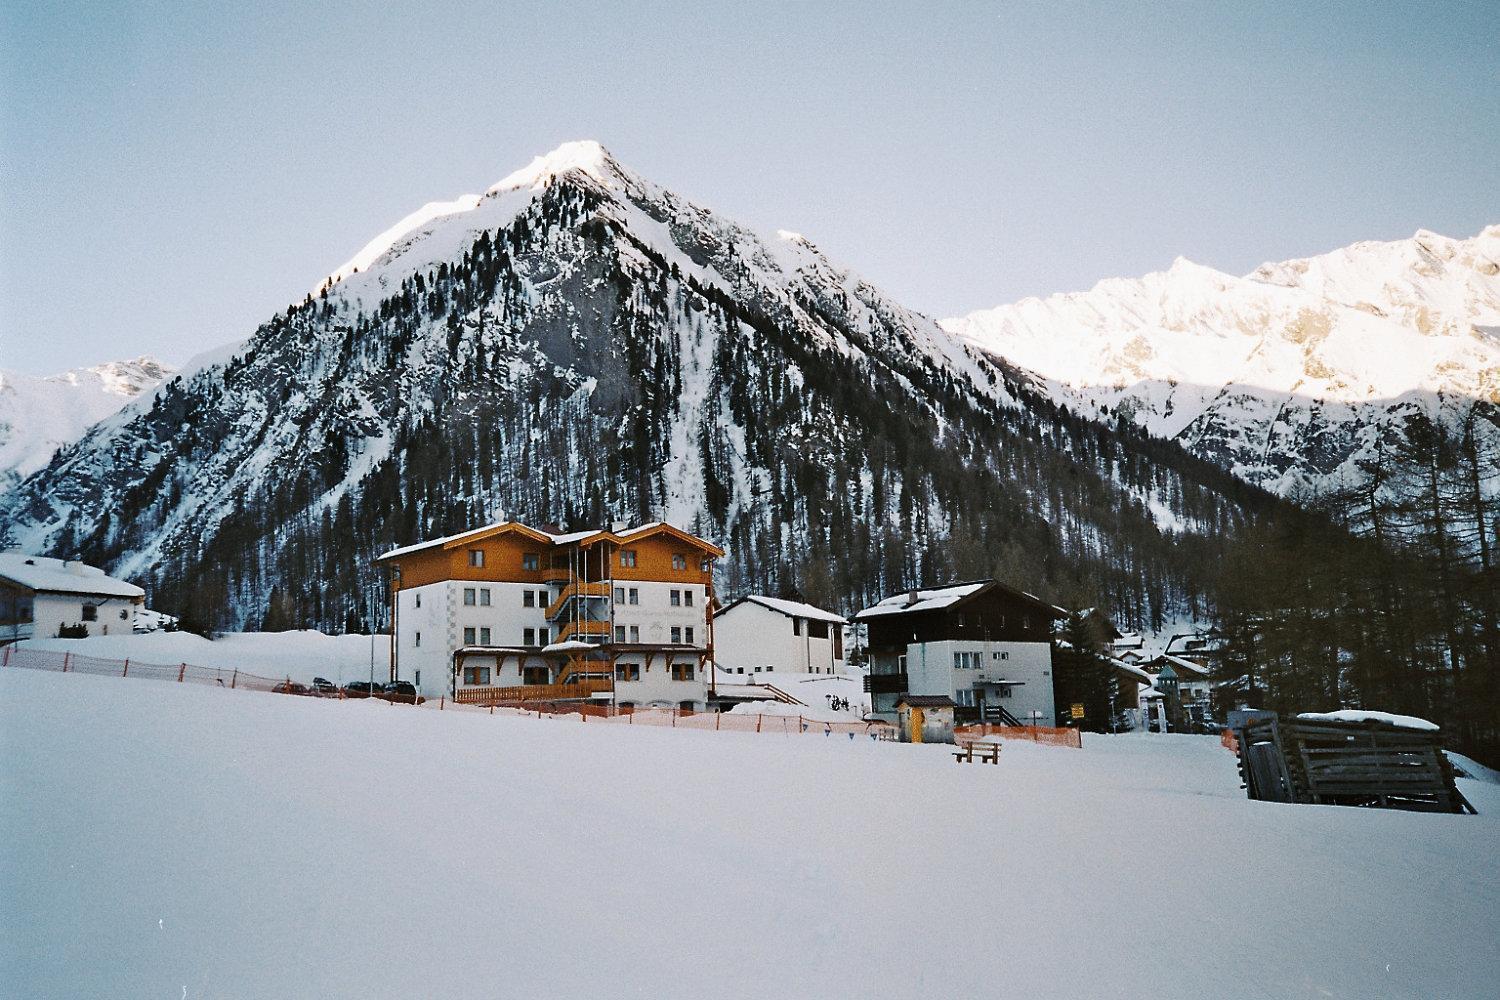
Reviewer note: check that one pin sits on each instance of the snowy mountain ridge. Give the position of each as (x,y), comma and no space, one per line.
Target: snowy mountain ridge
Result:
(580,344)
(1286,376)
(40,414)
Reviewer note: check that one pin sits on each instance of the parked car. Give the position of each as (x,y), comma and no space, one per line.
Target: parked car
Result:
(403,692)
(323,687)
(362,689)
(291,687)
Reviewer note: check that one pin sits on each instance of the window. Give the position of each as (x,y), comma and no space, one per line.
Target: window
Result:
(419,600)
(635,596)
(676,634)
(476,557)
(530,637)
(1004,656)
(469,637)
(530,560)
(739,670)
(535,675)
(419,640)
(676,598)
(687,598)
(484,597)
(484,637)
(619,633)
(682,671)
(627,671)
(476,675)
(91,612)
(679,561)
(627,558)
(703,564)
(544,636)
(966,698)
(796,626)
(528,598)
(541,599)
(635,633)
(619,595)
(468,597)
(687,635)
(958,661)
(770,668)
(817,629)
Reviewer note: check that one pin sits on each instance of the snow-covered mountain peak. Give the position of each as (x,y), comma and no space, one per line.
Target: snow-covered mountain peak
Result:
(1285,375)
(585,155)
(40,414)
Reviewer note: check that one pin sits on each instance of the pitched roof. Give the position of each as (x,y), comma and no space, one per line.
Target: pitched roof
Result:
(794,609)
(936,598)
(62,576)
(552,538)
(925,700)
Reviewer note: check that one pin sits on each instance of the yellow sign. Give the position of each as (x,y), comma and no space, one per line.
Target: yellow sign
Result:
(1078,710)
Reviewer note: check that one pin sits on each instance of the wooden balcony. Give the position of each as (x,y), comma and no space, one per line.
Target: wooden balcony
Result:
(556,574)
(583,689)
(885,683)
(577,630)
(572,590)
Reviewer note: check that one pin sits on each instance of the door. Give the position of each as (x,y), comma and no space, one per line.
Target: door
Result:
(917,722)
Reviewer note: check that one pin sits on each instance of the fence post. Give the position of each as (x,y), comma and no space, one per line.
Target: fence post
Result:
(674,718)
(66,658)
(181,670)
(717,717)
(758,717)
(126,671)
(7,657)
(234,679)
(442,702)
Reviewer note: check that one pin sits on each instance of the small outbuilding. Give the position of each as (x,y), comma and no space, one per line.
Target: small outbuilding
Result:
(42,597)
(925,718)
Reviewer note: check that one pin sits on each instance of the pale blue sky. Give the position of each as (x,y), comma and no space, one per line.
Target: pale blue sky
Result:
(171,174)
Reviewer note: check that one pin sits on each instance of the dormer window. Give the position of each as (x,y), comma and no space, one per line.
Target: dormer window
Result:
(679,561)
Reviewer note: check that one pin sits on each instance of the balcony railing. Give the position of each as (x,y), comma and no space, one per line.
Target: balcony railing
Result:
(531,692)
(885,683)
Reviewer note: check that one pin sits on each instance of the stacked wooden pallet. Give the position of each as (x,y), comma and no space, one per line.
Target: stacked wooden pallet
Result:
(1366,763)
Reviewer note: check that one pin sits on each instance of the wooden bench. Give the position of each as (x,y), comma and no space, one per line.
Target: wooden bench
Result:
(988,752)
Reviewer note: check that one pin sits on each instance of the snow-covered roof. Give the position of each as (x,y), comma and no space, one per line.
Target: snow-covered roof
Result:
(567,538)
(60,576)
(1360,715)
(926,600)
(1131,669)
(941,597)
(795,609)
(568,646)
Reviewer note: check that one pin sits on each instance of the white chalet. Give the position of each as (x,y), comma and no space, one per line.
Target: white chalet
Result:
(757,633)
(39,596)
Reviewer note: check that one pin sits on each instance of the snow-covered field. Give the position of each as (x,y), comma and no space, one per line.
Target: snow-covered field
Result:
(300,655)
(161,840)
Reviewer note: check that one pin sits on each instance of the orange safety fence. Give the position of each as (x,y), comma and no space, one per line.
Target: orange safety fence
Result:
(1052,736)
(68,662)
(681,718)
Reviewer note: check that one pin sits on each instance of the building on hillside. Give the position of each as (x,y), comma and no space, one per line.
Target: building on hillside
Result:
(46,598)
(983,644)
(758,632)
(509,612)
(1193,684)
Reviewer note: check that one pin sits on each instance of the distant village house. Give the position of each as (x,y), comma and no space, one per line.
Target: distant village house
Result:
(756,633)
(45,598)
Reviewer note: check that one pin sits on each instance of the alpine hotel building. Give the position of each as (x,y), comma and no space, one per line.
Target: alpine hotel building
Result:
(511,613)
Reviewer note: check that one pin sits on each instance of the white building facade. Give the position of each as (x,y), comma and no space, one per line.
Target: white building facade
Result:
(758,632)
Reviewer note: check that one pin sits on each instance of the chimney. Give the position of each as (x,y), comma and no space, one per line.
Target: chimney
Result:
(911,598)
(617,526)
